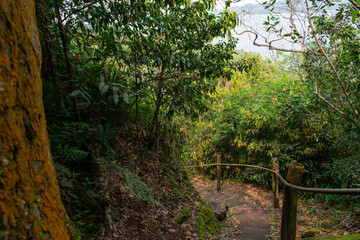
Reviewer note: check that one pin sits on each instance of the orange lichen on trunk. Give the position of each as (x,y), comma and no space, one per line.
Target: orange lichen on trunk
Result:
(30,204)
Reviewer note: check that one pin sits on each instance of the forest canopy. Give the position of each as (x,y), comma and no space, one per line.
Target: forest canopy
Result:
(135,90)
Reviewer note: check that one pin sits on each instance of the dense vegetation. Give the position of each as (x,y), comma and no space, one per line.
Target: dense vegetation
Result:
(303,108)
(114,74)
(270,113)
(123,80)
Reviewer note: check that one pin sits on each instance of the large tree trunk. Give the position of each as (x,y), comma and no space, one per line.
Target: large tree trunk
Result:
(30,204)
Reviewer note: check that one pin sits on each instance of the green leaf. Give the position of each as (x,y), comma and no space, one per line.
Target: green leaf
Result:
(126,97)
(158,61)
(86,96)
(115,95)
(355,15)
(74,93)
(103,88)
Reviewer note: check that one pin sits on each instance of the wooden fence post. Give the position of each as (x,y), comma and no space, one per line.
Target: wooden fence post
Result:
(289,211)
(218,171)
(275,182)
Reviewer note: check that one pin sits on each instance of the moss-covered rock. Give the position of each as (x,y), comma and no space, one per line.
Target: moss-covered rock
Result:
(184,216)
(347,237)
(207,221)
(310,233)
(201,226)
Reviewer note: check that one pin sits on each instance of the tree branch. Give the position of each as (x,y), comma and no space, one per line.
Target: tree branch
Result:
(270,47)
(338,78)
(335,108)
(355,4)
(80,9)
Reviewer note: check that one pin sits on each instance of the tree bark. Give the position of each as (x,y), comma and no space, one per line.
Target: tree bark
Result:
(67,58)
(290,202)
(155,134)
(49,68)
(275,183)
(30,204)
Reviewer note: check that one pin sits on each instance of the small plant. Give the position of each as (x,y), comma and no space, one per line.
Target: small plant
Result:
(132,181)
(184,216)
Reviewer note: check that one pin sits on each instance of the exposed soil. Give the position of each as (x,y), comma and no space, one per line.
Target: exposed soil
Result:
(252,216)
(251,213)
(128,217)
(248,217)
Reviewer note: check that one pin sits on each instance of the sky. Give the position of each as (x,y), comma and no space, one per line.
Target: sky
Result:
(255,16)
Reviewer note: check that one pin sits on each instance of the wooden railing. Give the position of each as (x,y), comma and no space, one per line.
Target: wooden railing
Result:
(292,188)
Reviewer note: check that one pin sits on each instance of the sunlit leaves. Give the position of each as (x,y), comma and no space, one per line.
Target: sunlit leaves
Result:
(265,113)
(155,53)
(355,15)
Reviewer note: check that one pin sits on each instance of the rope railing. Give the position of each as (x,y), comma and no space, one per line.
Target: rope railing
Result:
(290,199)
(336,191)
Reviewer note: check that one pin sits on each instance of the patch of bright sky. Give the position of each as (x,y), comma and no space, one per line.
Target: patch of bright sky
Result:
(255,16)
(221,4)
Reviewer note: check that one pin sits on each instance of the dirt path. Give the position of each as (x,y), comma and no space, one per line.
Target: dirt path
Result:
(248,207)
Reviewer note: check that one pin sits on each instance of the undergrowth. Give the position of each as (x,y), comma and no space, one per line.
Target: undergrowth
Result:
(79,152)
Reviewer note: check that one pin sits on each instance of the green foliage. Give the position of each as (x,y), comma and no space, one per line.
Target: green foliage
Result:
(78,149)
(207,221)
(133,54)
(150,62)
(347,237)
(268,113)
(337,88)
(66,181)
(184,216)
(77,235)
(106,63)
(133,182)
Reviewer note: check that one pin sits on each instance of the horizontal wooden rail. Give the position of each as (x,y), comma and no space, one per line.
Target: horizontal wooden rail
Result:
(290,200)
(345,191)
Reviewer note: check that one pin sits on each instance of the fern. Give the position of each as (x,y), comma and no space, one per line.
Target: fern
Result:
(105,134)
(93,194)
(65,180)
(132,181)
(137,187)
(75,154)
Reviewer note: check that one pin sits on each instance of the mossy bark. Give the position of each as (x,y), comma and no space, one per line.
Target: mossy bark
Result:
(30,204)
